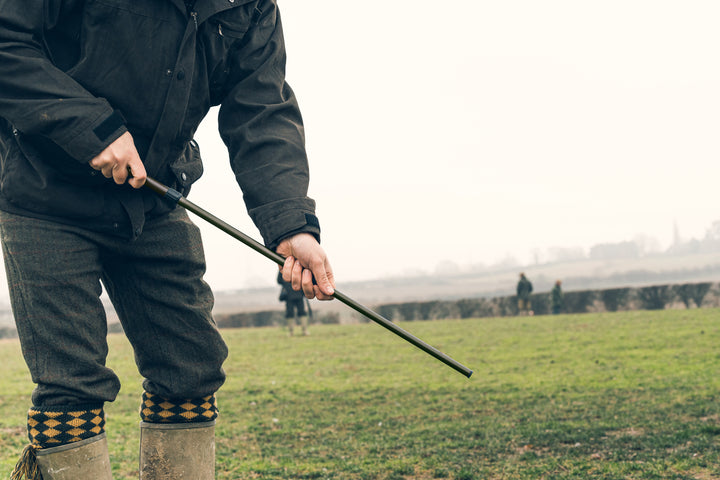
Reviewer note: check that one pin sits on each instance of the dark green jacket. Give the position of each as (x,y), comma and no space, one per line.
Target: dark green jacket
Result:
(287,294)
(524,288)
(77,74)
(556,296)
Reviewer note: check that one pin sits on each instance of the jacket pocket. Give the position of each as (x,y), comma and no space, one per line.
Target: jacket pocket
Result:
(29,180)
(188,167)
(222,35)
(232,25)
(232,31)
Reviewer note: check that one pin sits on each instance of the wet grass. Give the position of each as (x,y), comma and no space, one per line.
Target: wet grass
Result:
(629,395)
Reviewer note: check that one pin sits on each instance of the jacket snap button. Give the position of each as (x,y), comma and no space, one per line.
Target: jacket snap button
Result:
(183,176)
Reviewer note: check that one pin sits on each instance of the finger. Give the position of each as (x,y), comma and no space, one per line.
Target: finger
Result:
(286,269)
(307,284)
(137,173)
(107,171)
(323,293)
(296,279)
(119,174)
(320,295)
(324,277)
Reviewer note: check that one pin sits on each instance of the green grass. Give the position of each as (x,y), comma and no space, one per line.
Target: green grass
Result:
(631,395)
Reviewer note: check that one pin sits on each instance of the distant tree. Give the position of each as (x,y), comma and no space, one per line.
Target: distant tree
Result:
(609,251)
(8,332)
(540,303)
(692,292)
(447,310)
(692,246)
(684,293)
(560,254)
(505,306)
(646,244)
(408,311)
(483,308)
(329,318)
(713,232)
(711,242)
(249,319)
(613,298)
(360,318)
(579,301)
(472,307)
(387,311)
(507,262)
(701,289)
(426,309)
(655,297)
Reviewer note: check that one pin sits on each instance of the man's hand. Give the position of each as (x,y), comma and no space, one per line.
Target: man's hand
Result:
(119,160)
(305,258)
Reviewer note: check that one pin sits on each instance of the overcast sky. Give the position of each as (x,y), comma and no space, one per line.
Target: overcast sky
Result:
(472,131)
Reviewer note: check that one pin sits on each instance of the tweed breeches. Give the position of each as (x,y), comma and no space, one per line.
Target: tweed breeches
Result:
(56,274)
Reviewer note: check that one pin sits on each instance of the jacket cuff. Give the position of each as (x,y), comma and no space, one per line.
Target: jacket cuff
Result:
(101,133)
(284,218)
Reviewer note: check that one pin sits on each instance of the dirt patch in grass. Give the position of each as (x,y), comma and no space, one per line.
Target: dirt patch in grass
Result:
(626,432)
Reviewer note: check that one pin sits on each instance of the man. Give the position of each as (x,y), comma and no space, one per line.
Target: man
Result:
(556,297)
(95,97)
(523,290)
(294,306)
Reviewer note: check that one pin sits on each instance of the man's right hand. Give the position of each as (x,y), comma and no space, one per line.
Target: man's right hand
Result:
(121,160)
(305,258)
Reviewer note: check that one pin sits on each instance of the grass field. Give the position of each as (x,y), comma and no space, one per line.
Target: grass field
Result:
(630,395)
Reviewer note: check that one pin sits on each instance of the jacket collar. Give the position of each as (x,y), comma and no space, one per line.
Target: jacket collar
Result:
(179,4)
(208,8)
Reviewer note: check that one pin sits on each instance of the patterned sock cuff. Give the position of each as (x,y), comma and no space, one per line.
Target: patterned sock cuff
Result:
(60,425)
(156,409)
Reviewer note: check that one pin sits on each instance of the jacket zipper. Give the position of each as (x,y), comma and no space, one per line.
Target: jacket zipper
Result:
(193,14)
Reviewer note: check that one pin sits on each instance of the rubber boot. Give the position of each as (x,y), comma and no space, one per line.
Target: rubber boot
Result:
(290,325)
(177,451)
(84,459)
(304,325)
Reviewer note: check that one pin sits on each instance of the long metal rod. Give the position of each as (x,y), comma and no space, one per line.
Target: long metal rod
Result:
(174,195)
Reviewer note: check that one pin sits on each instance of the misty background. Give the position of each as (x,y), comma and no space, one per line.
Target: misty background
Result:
(468,136)
(477,133)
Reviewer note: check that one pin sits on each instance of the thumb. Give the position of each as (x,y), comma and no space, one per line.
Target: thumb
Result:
(324,278)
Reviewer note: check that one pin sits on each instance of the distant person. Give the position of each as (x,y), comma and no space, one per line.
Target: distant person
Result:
(524,289)
(556,298)
(294,306)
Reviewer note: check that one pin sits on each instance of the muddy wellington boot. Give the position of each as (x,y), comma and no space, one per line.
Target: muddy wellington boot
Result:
(173,451)
(85,459)
(304,325)
(290,325)
(66,443)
